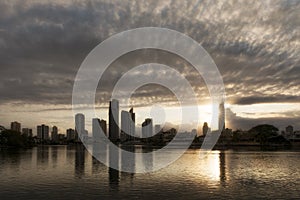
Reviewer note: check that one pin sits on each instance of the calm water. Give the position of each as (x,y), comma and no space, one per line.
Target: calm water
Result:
(63,172)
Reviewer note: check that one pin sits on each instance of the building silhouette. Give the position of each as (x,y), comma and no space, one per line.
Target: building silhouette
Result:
(221,117)
(79,125)
(132,123)
(54,134)
(128,124)
(98,126)
(147,128)
(15,126)
(113,129)
(204,129)
(70,134)
(103,126)
(27,132)
(43,132)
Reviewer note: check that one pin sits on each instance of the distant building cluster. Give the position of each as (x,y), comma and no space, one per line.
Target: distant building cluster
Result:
(125,132)
(46,136)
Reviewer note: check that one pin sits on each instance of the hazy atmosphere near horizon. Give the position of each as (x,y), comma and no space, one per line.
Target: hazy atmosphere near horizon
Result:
(255,45)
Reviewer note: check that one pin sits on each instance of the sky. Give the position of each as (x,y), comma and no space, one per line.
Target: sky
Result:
(255,44)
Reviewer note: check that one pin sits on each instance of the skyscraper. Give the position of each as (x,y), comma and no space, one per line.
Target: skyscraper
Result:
(132,122)
(43,132)
(128,124)
(204,129)
(79,126)
(54,134)
(27,132)
(114,134)
(97,126)
(70,134)
(221,117)
(103,126)
(147,128)
(15,126)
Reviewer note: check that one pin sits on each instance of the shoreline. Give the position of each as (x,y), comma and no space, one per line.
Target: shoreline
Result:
(237,146)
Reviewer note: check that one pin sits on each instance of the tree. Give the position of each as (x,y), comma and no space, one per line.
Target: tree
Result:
(14,139)
(263,132)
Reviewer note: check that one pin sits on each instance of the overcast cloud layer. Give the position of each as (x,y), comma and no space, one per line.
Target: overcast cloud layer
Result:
(255,44)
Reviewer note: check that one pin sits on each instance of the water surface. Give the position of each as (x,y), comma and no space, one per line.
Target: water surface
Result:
(70,172)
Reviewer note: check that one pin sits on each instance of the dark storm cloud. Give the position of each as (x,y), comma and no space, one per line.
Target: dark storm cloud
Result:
(266,99)
(255,45)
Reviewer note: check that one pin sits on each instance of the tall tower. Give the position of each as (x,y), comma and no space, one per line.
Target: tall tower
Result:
(147,128)
(70,134)
(114,120)
(204,129)
(132,122)
(98,126)
(54,134)
(27,132)
(221,117)
(79,126)
(43,132)
(128,124)
(15,126)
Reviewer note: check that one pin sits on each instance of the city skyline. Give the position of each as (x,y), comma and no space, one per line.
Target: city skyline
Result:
(125,127)
(116,126)
(148,99)
(259,61)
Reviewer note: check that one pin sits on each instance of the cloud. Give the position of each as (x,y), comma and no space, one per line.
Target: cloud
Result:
(54,37)
(287,118)
(266,99)
(255,45)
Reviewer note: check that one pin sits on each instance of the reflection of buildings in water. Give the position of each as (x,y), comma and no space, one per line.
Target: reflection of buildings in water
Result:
(42,155)
(213,167)
(114,178)
(147,158)
(128,159)
(54,155)
(70,154)
(128,164)
(99,153)
(96,166)
(79,160)
(114,157)
(222,166)
(113,171)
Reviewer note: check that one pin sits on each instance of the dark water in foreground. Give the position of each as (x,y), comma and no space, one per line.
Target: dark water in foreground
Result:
(61,172)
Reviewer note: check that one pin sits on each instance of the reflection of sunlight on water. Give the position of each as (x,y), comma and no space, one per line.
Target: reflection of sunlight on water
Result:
(212,169)
(209,166)
(57,170)
(208,170)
